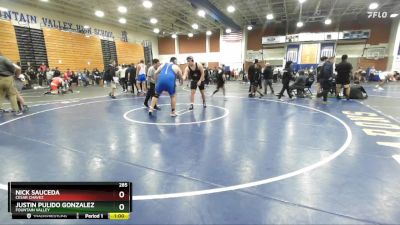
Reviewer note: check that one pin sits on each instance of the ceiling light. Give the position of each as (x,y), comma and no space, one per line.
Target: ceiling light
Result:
(153,20)
(230,9)
(302,1)
(147,4)
(270,16)
(300,24)
(201,13)
(195,26)
(393,15)
(86,27)
(249,28)
(122,9)
(373,6)
(208,32)
(3,9)
(122,20)
(190,34)
(99,13)
(228,30)
(173,36)
(44,0)
(328,21)
(156,30)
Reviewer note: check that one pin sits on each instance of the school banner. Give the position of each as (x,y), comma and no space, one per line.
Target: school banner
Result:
(327,49)
(292,53)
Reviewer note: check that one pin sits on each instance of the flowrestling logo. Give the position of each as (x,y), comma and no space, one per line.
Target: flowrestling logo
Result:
(377,15)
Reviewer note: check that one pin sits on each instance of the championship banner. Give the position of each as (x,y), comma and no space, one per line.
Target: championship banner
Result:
(309,53)
(292,53)
(327,49)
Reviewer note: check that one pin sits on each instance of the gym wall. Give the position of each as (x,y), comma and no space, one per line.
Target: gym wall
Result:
(214,42)
(380,31)
(379,64)
(166,45)
(195,44)
(380,34)
(67,50)
(8,42)
(211,65)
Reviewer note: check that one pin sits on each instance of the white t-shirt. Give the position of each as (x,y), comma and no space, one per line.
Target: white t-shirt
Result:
(122,73)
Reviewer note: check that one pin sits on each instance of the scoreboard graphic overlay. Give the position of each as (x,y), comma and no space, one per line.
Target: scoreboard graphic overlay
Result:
(70,200)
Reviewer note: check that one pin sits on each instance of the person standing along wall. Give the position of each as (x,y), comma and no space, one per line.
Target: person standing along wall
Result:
(109,76)
(325,80)
(7,87)
(268,77)
(141,76)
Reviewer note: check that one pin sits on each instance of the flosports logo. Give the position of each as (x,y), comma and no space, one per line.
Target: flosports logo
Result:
(379,15)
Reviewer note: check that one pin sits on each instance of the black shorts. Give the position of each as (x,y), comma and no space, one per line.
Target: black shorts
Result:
(220,84)
(193,85)
(342,81)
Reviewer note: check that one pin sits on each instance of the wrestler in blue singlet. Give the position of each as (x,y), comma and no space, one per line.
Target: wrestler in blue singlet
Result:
(166,80)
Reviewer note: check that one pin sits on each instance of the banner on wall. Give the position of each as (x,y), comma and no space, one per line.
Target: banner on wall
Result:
(273,40)
(24,19)
(327,49)
(292,53)
(396,61)
(309,53)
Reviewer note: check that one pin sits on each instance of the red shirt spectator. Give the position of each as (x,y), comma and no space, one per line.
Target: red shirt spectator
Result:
(43,68)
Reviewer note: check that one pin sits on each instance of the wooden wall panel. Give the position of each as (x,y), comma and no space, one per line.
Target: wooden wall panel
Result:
(183,67)
(380,29)
(128,53)
(214,42)
(196,44)
(166,46)
(74,50)
(8,41)
(213,65)
(379,64)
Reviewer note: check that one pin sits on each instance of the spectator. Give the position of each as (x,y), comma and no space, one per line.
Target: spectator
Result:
(268,77)
(7,87)
(343,70)
(109,75)
(325,78)
(299,84)
(287,76)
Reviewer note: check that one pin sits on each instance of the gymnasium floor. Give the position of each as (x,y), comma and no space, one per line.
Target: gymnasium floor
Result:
(240,161)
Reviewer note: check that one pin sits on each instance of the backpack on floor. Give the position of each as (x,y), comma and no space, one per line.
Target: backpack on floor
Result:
(358,92)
